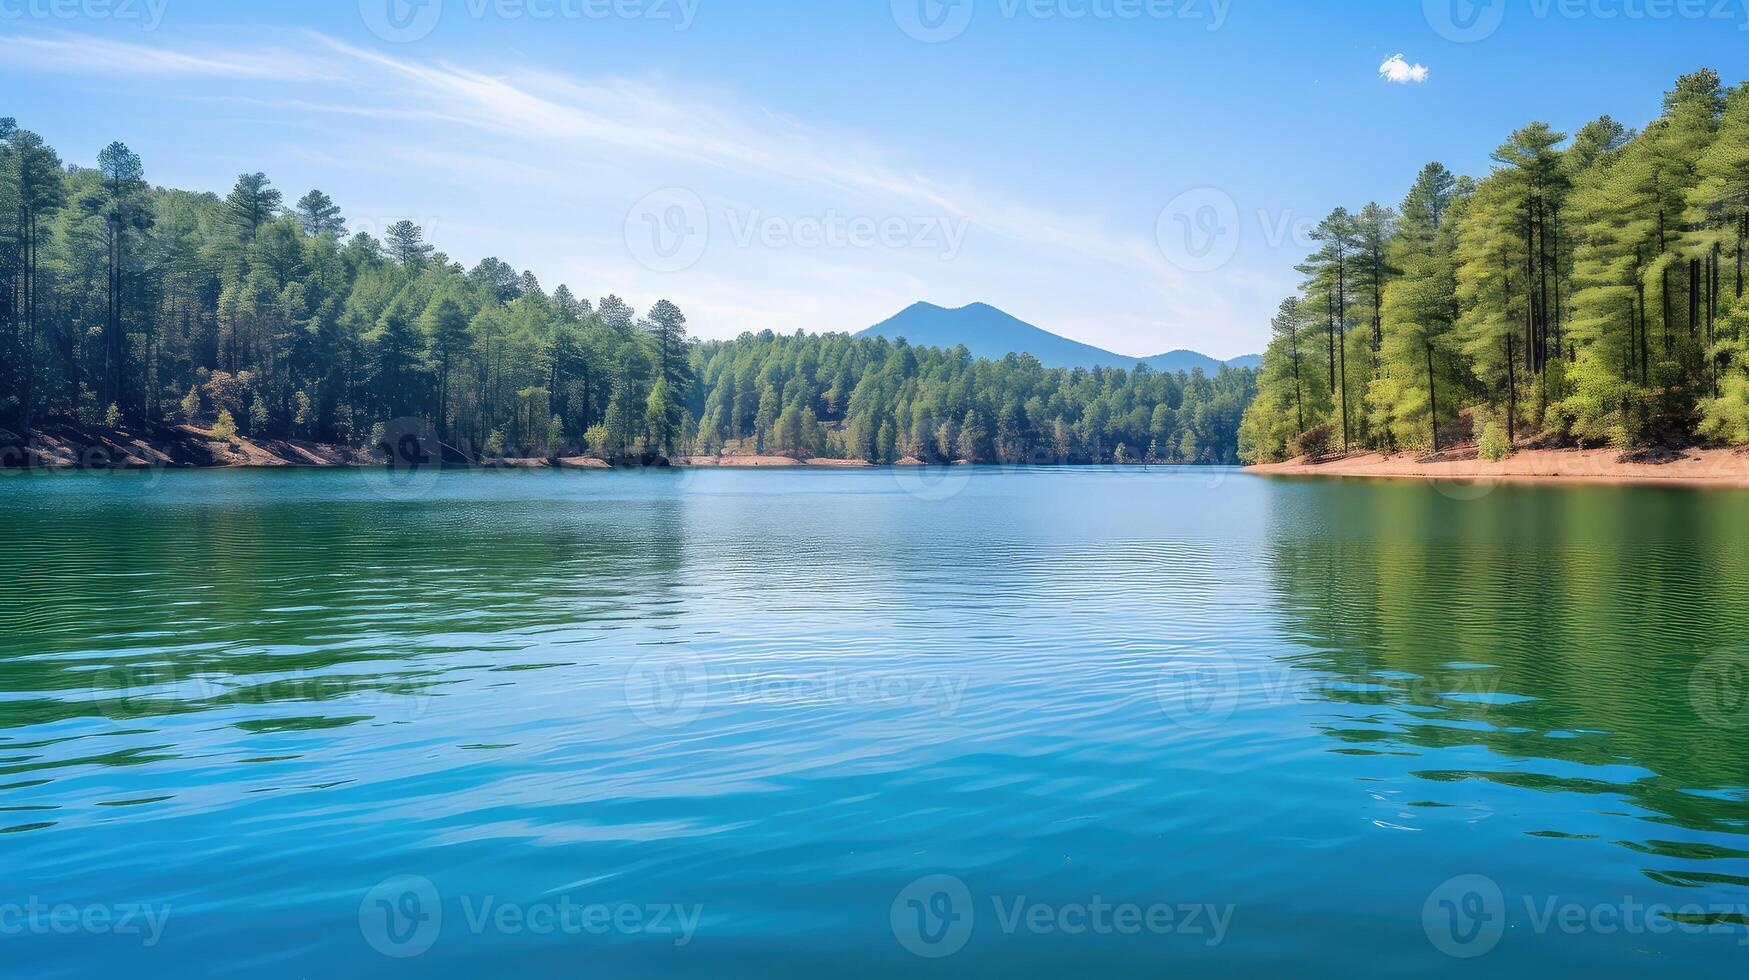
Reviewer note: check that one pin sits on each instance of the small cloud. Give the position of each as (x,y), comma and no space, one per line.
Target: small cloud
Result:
(1398,71)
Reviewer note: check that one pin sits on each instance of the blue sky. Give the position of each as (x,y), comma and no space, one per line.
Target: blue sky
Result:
(1131,173)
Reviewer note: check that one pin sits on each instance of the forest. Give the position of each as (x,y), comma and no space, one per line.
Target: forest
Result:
(127,304)
(1588,291)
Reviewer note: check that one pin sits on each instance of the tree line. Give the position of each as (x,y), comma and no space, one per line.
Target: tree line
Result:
(1589,290)
(125,304)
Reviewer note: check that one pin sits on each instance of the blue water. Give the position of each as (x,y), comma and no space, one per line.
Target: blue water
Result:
(1001,723)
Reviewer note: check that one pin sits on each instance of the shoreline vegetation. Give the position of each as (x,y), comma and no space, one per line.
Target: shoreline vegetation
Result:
(1588,291)
(182,319)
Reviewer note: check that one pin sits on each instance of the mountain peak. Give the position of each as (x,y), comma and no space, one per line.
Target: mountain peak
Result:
(993,333)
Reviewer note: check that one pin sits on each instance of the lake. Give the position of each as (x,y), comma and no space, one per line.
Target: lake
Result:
(1002,723)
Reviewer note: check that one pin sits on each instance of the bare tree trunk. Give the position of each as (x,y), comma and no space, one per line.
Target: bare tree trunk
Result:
(1511,391)
(1432,401)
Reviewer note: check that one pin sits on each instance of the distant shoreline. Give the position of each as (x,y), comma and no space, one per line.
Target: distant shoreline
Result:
(1710,467)
(69,447)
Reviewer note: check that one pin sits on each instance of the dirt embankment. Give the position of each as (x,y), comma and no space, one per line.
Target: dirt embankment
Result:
(1723,468)
(67,445)
(753,462)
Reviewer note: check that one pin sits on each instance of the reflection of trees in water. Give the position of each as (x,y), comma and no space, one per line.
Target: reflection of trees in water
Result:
(1591,607)
(270,595)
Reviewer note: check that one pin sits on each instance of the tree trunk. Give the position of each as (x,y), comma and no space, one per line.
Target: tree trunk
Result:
(1511,391)
(1432,401)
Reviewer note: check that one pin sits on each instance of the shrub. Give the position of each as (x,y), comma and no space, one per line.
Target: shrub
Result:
(1494,446)
(226,427)
(1315,444)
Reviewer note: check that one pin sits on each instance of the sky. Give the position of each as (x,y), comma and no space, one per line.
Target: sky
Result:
(1135,174)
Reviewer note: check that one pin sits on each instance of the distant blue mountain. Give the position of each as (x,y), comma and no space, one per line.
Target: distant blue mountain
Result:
(990,333)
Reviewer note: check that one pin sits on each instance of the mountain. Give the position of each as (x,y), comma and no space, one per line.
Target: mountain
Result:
(990,333)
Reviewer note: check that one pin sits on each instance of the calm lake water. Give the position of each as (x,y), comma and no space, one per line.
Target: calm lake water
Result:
(869,723)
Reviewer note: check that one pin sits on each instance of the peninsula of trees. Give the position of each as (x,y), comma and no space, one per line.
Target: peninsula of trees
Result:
(124,304)
(1587,291)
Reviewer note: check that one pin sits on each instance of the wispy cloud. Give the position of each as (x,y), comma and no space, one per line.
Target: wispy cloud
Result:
(85,55)
(1399,71)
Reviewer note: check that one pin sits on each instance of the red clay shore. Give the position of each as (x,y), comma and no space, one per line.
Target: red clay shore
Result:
(64,445)
(1717,468)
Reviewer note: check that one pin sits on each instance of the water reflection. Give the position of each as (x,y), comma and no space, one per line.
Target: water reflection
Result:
(1568,641)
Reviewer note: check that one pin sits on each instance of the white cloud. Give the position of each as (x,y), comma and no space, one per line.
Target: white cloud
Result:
(75,54)
(1397,70)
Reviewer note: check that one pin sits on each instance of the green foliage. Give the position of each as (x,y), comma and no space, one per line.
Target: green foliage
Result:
(226,427)
(1494,446)
(878,399)
(1586,290)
